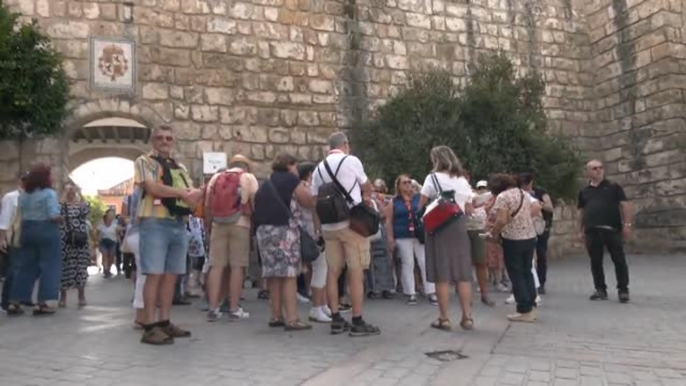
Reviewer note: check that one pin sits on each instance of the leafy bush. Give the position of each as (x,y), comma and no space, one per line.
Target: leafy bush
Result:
(98,209)
(34,88)
(495,124)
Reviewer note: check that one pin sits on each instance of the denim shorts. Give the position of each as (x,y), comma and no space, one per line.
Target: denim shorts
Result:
(163,246)
(107,246)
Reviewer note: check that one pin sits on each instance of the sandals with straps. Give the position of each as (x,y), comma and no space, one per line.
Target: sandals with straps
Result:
(442,324)
(467,324)
(297,325)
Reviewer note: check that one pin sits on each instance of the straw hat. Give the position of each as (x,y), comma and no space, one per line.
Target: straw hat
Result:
(239,158)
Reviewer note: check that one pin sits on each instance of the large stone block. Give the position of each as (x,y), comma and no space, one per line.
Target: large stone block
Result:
(69,30)
(204,113)
(179,39)
(288,50)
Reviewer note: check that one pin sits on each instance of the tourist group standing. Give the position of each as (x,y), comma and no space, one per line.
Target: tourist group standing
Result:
(324,224)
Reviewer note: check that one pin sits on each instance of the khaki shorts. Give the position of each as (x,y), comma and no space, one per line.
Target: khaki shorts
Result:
(478,245)
(345,247)
(229,245)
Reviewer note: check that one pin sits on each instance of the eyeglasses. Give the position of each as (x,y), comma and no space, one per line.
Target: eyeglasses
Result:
(481,188)
(597,168)
(167,138)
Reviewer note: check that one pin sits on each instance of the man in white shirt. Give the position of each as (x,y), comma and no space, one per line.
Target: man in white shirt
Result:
(8,212)
(344,247)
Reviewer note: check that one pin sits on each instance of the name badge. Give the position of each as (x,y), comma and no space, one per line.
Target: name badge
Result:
(157,202)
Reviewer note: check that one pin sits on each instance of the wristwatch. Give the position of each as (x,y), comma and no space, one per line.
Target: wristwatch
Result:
(628,224)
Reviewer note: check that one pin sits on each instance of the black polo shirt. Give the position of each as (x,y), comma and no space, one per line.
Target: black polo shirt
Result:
(547,216)
(601,205)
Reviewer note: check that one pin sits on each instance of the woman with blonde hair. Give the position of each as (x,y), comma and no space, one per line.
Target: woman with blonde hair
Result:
(448,253)
(76,256)
(401,226)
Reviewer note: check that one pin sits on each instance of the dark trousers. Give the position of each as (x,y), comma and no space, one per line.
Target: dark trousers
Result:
(519,255)
(597,239)
(542,257)
(8,270)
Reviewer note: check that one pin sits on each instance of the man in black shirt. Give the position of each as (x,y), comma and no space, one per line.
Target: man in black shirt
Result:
(605,222)
(527,182)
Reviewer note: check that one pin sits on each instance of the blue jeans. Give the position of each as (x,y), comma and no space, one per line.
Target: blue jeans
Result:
(9,277)
(164,246)
(40,256)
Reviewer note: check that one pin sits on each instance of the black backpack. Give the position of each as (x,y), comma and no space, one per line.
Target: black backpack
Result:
(332,206)
(177,177)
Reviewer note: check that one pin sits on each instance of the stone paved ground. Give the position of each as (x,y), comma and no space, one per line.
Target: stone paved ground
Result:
(576,342)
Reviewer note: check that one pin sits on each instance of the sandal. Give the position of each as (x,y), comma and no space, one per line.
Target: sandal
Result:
(297,325)
(44,310)
(14,309)
(276,323)
(467,324)
(263,295)
(442,324)
(488,302)
(156,337)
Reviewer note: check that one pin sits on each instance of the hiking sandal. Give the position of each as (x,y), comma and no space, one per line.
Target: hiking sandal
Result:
(297,325)
(14,309)
(467,324)
(156,337)
(273,322)
(442,324)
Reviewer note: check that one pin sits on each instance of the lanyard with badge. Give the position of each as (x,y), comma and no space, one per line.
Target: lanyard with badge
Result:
(408,205)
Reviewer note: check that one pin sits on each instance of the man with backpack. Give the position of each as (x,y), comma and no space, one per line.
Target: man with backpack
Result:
(166,202)
(340,184)
(229,202)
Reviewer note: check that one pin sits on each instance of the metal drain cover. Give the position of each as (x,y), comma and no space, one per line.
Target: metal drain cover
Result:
(446,355)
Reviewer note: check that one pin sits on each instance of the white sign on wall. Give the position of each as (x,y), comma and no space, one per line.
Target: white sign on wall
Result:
(213,162)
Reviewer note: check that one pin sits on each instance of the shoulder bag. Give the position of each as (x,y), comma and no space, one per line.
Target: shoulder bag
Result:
(309,249)
(363,219)
(75,237)
(442,211)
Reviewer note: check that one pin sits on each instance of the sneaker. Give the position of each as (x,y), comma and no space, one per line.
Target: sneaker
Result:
(339,327)
(344,307)
(318,315)
(599,295)
(538,300)
(412,300)
(510,300)
(624,297)
(541,290)
(213,316)
(326,310)
(235,316)
(500,287)
(364,329)
(433,299)
(529,317)
(302,299)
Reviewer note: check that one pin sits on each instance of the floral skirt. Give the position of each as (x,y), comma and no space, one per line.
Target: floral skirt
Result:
(279,248)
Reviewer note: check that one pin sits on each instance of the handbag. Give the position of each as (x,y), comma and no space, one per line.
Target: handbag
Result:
(364,220)
(442,211)
(76,238)
(539,225)
(309,248)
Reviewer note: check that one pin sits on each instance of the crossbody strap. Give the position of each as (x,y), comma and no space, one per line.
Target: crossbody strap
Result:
(340,187)
(437,186)
(521,203)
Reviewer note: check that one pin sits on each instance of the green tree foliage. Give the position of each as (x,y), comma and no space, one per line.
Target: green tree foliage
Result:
(98,209)
(34,88)
(495,124)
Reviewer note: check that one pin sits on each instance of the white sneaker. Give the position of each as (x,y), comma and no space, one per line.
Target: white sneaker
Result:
(318,315)
(235,316)
(326,310)
(502,287)
(538,300)
(302,299)
(510,300)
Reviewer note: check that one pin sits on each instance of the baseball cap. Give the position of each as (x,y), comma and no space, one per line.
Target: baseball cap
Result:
(481,184)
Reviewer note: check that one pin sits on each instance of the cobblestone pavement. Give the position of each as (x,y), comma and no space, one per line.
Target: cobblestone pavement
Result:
(575,342)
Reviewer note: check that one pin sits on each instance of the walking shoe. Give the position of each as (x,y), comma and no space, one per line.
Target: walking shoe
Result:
(599,295)
(510,300)
(529,317)
(344,307)
(433,299)
(326,310)
(156,337)
(298,325)
(541,290)
(339,327)
(538,300)
(175,331)
(364,329)
(235,316)
(302,299)
(318,315)
(624,297)
(412,300)
(215,315)
(502,288)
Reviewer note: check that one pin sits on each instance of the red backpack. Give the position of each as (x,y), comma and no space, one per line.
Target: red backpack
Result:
(224,199)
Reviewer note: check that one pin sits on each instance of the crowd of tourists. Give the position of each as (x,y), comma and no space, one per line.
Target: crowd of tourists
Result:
(322,233)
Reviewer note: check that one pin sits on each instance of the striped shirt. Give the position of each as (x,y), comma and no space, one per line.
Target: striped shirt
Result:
(147,169)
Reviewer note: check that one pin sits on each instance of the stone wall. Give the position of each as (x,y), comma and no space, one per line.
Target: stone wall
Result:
(260,77)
